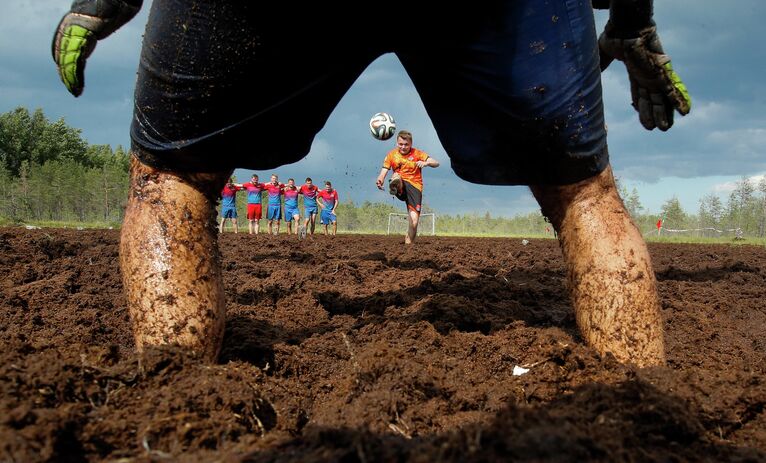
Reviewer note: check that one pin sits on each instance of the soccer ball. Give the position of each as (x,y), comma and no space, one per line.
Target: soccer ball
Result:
(382,126)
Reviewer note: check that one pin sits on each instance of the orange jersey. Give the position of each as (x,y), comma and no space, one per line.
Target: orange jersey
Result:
(405,165)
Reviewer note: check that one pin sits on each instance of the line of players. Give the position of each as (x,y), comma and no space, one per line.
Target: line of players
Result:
(313,200)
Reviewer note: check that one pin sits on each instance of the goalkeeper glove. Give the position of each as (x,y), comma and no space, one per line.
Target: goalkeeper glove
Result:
(78,31)
(655,87)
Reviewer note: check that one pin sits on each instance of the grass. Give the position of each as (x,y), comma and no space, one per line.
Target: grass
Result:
(4,222)
(749,240)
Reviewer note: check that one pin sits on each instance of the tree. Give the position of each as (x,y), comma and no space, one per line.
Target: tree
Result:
(742,206)
(630,199)
(710,211)
(32,138)
(633,204)
(674,214)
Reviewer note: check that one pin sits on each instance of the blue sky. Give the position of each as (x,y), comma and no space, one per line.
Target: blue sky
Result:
(716,46)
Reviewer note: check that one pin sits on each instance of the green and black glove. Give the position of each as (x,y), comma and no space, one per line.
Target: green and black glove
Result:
(655,87)
(78,31)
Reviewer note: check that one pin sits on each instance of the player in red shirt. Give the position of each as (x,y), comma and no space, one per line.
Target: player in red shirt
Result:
(254,189)
(407,180)
(229,205)
(292,214)
(328,201)
(274,207)
(310,193)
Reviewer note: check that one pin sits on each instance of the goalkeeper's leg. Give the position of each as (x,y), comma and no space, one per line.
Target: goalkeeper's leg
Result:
(170,261)
(609,272)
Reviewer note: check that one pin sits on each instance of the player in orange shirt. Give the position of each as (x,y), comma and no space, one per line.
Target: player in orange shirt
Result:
(407,180)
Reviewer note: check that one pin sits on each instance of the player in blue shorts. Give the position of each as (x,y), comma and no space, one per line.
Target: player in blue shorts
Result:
(274,191)
(310,207)
(513,89)
(292,214)
(328,201)
(229,205)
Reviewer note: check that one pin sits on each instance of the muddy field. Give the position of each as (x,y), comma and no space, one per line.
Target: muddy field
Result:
(356,349)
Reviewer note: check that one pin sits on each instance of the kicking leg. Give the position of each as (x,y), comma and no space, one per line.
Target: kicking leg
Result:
(170,261)
(609,271)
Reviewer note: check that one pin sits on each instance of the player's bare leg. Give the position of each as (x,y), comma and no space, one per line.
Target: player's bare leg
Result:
(334,228)
(412,228)
(609,271)
(236,227)
(222,225)
(250,226)
(170,261)
(257,226)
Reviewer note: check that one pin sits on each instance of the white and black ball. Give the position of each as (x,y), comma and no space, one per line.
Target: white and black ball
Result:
(382,126)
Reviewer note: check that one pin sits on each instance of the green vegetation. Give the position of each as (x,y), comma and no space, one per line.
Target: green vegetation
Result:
(48,173)
(742,216)
(50,176)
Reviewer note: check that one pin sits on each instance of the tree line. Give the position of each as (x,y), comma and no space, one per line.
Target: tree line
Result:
(743,213)
(48,173)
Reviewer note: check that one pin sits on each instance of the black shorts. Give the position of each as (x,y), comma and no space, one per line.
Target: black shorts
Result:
(411,196)
(513,87)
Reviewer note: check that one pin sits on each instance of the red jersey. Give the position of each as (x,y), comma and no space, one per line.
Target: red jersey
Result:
(329,198)
(254,192)
(275,193)
(229,195)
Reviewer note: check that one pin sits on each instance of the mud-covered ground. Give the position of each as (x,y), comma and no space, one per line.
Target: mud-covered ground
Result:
(356,349)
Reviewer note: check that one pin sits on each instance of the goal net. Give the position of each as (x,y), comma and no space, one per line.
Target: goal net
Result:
(707,232)
(398,223)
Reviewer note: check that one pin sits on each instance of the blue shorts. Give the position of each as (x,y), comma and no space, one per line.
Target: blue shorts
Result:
(310,210)
(291,212)
(327,217)
(229,212)
(274,213)
(513,88)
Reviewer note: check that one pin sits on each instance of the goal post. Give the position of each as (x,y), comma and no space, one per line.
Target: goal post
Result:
(395,221)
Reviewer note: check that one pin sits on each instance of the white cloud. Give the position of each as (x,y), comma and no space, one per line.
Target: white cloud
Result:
(728,187)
